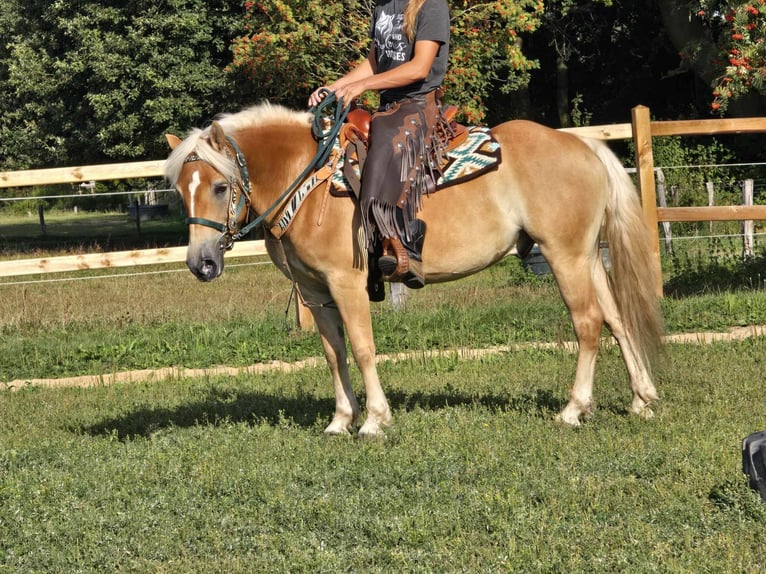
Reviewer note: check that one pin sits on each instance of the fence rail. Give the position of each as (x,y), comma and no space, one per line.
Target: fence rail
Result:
(712,213)
(82,174)
(641,130)
(116,259)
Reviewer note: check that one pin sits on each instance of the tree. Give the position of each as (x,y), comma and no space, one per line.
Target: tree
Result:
(572,28)
(596,64)
(89,81)
(723,42)
(290,47)
(740,29)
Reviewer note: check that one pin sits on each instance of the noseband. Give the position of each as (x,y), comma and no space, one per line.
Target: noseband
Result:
(240,186)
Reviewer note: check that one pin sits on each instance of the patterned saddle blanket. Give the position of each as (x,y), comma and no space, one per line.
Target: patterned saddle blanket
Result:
(479,153)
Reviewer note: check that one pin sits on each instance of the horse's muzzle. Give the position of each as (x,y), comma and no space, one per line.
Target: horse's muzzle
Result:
(207,270)
(206,265)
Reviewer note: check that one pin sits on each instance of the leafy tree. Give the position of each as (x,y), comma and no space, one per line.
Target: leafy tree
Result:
(572,28)
(94,80)
(598,59)
(292,46)
(740,28)
(723,42)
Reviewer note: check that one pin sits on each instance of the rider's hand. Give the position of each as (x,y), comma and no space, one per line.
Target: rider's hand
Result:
(317,96)
(350,92)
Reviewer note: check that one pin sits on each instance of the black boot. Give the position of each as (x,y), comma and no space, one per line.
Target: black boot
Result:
(414,278)
(376,289)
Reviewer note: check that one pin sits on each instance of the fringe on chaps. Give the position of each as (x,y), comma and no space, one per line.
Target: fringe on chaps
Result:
(407,142)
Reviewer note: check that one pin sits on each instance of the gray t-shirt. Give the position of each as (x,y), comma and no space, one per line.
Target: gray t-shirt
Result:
(392,48)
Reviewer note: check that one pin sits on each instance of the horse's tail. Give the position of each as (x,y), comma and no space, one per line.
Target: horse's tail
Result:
(633,279)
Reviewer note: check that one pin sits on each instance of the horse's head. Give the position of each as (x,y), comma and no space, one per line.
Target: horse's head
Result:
(209,174)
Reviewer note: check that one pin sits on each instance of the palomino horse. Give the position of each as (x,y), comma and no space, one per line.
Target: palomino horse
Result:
(561,190)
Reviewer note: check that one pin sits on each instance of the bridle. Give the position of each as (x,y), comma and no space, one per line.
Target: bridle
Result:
(239,184)
(239,199)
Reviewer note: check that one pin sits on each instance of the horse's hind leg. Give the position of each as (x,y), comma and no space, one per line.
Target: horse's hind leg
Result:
(574,280)
(641,383)
(346,406)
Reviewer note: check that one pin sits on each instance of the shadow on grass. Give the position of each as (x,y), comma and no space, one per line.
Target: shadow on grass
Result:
(218,407)
(258,408)
(540,402)
(91,232)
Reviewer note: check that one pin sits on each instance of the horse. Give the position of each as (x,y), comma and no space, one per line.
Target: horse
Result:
(562,191)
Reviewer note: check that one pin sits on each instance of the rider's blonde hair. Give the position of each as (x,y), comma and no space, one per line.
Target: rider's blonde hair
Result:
(411,17)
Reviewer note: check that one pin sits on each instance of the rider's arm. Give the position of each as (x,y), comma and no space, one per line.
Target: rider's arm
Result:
(412,71)
(363,77)
(363,70)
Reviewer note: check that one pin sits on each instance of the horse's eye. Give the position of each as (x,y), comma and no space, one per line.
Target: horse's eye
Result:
(220,188)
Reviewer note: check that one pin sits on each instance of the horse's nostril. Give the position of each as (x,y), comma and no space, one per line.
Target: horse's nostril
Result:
(209,269)
(205,269)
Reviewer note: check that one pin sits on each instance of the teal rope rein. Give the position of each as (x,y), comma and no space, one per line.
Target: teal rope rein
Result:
(325,143)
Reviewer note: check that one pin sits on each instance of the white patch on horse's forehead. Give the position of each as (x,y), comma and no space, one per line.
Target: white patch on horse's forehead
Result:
(193,185)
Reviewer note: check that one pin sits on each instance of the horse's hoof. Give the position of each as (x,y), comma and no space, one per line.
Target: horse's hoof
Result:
(337,429)
(371,431)
(641,407)
(566,420)
(644,413)
(379,436)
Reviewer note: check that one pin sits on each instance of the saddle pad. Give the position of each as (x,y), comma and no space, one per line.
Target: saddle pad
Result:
(476,155)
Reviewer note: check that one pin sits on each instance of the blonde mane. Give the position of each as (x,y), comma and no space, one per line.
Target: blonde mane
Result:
(263,114)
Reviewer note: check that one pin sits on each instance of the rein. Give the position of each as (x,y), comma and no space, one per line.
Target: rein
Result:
(230,230)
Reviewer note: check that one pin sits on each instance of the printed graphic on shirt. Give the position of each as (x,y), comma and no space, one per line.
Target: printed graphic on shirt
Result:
(390,42)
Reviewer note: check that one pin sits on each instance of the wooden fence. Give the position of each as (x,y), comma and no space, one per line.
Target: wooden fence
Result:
(641,130)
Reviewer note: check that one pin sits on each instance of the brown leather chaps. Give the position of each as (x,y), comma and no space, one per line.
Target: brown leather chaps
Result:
(407,140)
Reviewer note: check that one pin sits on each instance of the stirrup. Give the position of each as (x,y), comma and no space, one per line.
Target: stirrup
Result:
(398,267)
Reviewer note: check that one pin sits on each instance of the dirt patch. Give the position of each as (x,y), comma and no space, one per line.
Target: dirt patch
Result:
(149,375)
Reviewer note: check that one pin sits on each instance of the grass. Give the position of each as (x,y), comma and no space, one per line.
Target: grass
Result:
(70,233)
(234,475)
(53,329)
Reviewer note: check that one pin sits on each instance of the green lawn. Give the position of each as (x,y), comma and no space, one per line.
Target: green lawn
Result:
(146,321)
(67,232)
(234,474)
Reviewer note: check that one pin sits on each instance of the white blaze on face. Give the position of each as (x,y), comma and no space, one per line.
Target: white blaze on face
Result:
(195,181)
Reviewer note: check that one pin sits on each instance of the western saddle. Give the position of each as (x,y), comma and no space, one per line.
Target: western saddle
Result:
(358,124)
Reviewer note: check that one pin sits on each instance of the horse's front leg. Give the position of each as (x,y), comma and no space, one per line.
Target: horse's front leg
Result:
(347,408)
(354,306)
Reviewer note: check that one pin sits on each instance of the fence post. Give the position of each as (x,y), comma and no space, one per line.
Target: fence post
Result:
(398,296)
(41,215)
(664,203)
(747,226)
(710,201)
(137,205)
(642,138)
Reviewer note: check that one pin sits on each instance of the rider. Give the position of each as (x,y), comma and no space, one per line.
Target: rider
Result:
(406,63)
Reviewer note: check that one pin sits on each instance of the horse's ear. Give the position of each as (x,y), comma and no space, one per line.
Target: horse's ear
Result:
(217,137)
(173,141)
